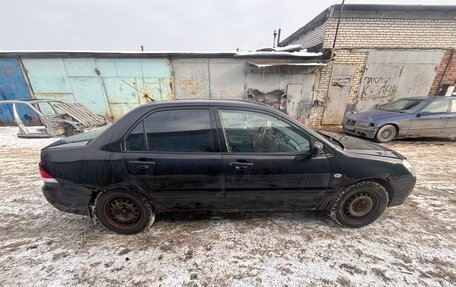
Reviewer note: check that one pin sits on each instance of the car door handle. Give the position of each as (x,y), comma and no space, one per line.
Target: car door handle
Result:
(239,165)
(141,164)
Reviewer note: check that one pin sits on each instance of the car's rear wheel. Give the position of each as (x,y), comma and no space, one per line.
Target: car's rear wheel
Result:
(360,204)
(386,133)
(124,212)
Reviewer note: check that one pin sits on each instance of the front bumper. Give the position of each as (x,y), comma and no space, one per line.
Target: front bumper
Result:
(367,132)
(402,187)
(68,197)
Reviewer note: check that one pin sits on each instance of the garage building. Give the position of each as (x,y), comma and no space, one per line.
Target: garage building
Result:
(377,53)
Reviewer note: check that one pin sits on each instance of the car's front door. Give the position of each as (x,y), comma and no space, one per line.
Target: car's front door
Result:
(430,121)
(450,125)
(268,163)
(173,155)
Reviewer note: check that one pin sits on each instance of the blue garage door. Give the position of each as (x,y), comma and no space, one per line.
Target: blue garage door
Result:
(12,86)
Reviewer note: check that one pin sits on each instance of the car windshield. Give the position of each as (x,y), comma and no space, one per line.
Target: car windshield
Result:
(408,106)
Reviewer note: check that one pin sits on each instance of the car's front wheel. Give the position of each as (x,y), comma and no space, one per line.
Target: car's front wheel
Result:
(386,133)
(360,204)
(124,212)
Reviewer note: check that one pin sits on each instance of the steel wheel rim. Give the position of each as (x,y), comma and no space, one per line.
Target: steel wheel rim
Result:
(359,205)
(123,212)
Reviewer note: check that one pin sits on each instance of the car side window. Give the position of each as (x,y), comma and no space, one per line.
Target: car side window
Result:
(253,132)
(453,107)
(437,107)
(136,140)
(179,131)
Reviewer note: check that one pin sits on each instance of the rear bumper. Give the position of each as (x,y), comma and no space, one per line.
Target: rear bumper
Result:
(367,132)
(68,197)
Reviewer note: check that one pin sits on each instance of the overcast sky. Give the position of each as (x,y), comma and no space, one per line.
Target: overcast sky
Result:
(173,25)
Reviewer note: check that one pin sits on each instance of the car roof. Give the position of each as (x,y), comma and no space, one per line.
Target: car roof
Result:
(427,98)
(208,102)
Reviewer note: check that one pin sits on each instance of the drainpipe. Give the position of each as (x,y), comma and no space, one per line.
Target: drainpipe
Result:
(338,23)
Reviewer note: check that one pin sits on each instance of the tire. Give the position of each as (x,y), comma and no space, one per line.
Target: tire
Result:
(359,204)
(124,212)
(386,133)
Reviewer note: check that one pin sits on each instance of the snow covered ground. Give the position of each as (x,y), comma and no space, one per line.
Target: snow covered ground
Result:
(411,245)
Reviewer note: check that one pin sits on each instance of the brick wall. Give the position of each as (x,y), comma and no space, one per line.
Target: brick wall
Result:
(389,30)
(449,78)
(391,33)
(313,37)
(342,57)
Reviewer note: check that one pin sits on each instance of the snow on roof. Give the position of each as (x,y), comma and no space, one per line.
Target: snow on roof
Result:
(295,50)
(279,54)
(291,50)
(275,64)
(115,52)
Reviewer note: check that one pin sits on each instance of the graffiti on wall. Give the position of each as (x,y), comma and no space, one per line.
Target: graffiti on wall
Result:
(378,87)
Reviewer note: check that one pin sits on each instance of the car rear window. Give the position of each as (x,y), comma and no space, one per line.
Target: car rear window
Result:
(453,106)
(173,131)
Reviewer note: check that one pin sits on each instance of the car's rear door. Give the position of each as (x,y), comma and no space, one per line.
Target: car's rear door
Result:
(268,164)
(174,155)
(431,120)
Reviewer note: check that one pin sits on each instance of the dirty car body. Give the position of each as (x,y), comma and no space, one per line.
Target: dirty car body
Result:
(215,155)
(40,118)
(411,118)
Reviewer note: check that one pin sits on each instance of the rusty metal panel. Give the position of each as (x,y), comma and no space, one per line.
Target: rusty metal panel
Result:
(294,83)
(339,87)
(299,91)
(378,85)
(122,95)
(227,78)
(294,94)
(191,78)
(416,80)
(392,74)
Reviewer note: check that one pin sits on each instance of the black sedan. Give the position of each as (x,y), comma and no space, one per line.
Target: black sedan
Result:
(219,156)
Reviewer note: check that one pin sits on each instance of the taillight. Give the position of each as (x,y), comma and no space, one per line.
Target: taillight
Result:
(46,176)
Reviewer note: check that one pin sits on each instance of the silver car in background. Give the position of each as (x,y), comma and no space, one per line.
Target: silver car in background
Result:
(405,118)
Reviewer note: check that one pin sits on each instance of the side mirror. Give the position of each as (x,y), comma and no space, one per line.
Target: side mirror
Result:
(317,148)
(423,113)
(314,151)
